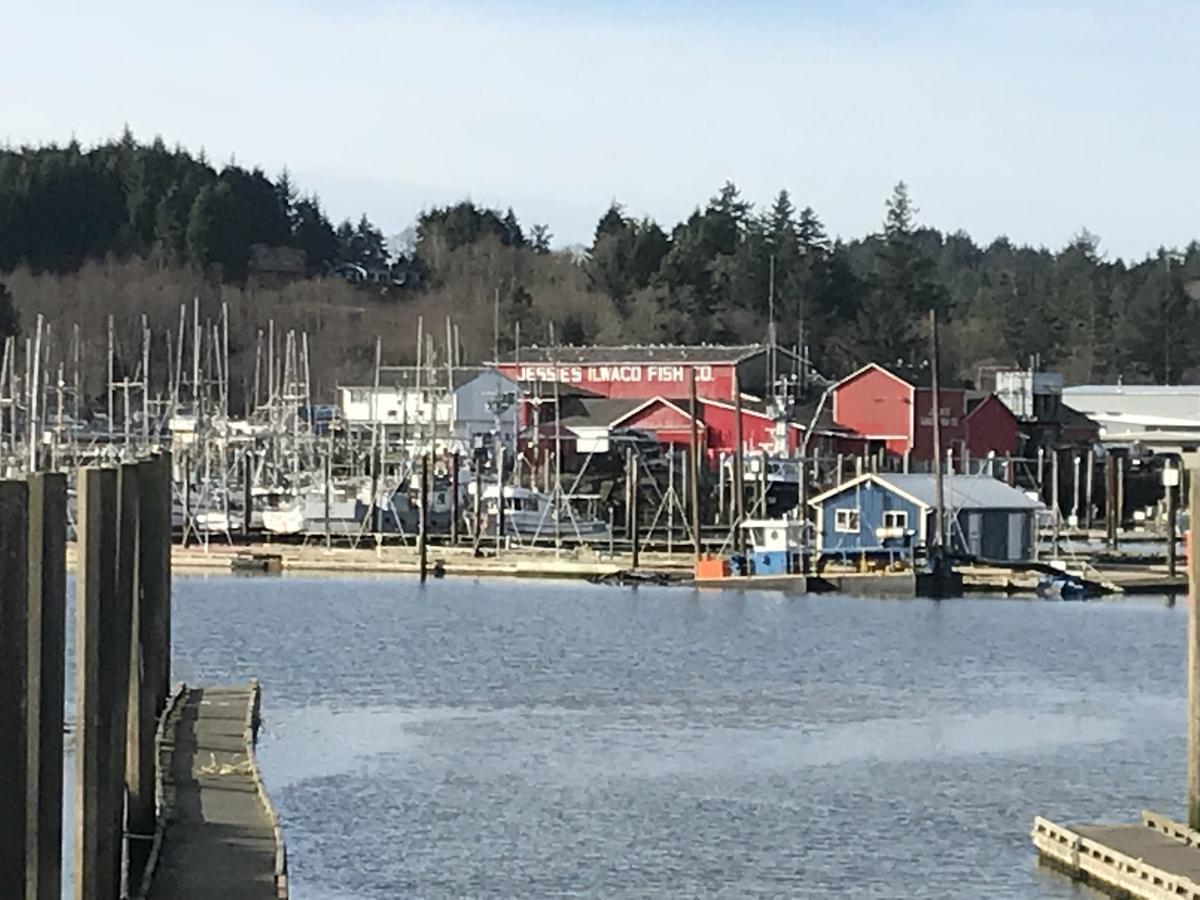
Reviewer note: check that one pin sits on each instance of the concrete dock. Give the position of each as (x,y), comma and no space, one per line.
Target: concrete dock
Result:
(1156,859)
(221,837)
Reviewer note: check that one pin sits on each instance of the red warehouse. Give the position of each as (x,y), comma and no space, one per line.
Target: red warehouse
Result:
(894,413)
(643,372)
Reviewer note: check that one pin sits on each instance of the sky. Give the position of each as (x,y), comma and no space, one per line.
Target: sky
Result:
(1005,117)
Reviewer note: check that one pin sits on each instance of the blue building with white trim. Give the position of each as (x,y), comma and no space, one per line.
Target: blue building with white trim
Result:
(892,516)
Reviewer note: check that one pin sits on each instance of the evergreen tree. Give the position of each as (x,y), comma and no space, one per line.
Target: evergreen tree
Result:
(9,323)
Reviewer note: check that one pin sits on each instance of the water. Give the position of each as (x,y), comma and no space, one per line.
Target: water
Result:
(515,739)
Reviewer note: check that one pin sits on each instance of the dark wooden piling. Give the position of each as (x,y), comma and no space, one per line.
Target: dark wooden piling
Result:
(247,493)
(149,669)
(631,478)
(96,872)
(1089,482)
(454,510)
(476,516)
(1171,478)
(1110,499)
(1193,655)
(14,594)
(694,465)
(46,674)
(423,524)
(739,480)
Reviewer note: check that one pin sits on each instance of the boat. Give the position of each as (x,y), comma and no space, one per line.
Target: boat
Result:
(532,515)
(1061,587)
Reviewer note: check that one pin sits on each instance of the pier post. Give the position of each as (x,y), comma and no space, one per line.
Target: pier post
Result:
(328,486)
(1077,462)
(454,512)
(631,468)
(739,479)
(247,493)
(693,469)
(1089,483)
(1119,517)
(500,499)
(1170,482)
(423,524)
(185,468)
(121,667)
(14,659)
(1193,651)
(47,613)
(476,518)
(1110,499)
(95,875)
(149,674)
(1056,508)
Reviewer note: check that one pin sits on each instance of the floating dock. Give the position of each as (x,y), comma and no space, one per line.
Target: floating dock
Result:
(1156,860)
(220,836)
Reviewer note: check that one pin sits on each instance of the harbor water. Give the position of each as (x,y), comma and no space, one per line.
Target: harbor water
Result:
(517,739)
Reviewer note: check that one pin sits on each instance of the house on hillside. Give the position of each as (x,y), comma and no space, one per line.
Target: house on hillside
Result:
(892,515)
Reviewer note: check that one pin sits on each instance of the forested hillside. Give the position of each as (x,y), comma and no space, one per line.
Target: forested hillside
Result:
(128,229)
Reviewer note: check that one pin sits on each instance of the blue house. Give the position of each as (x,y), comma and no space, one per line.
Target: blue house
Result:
(892,515)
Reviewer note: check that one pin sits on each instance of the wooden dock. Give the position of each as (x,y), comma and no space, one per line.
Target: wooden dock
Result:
(1156,859)
(221,837)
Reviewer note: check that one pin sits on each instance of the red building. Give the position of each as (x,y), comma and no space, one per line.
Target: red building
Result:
(644,372)
(588,422)
(894,413)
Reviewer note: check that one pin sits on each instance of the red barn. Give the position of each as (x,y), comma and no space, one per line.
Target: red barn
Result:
(892,412)
(644,372)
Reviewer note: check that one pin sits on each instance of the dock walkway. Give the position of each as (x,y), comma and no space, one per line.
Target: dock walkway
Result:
(221,837)
(1157,859)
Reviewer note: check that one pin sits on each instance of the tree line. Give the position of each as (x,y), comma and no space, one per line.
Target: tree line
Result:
(726,273)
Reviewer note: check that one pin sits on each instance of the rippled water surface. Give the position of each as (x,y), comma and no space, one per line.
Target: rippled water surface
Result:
(516,739)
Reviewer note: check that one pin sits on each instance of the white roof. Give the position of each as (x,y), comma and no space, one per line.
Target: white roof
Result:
(961,491)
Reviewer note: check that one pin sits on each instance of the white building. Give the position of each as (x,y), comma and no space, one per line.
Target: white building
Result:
(426,408)
(1129,409)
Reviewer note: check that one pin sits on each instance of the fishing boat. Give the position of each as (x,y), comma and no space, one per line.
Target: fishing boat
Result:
(533,515)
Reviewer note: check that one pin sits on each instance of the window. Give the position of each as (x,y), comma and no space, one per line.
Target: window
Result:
(896,519)
(846,521)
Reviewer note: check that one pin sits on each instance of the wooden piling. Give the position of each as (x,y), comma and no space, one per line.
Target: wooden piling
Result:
(635,550)
(476,517)
(739,480)
(1193,654)
(142,703)
(95,875)
(423,523)
(46,619)
(454,511)
(14,683)
(500,504)
(1110,498)
(1089,486)
(154,573)
(117,667)
(1171,478)
(1120,504)
(247,493)
(693,469)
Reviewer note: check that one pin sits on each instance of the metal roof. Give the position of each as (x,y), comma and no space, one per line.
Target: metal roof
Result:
(641,353)
(1134,390)
(961,491)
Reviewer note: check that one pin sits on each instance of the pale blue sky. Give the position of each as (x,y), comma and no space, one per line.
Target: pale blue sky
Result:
(1024,118)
